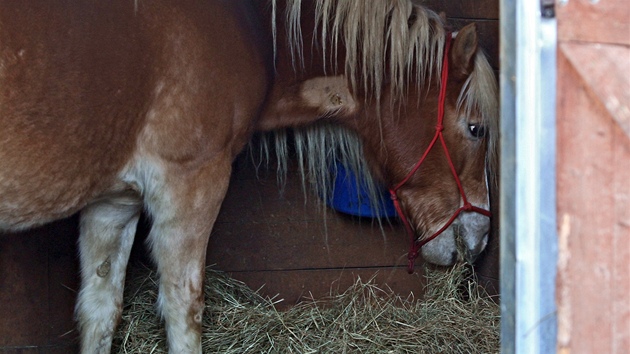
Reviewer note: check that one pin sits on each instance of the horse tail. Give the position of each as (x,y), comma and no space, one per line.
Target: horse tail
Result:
(319,151)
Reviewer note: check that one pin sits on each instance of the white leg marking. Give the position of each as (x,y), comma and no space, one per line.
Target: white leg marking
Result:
(184,212)
(107,231)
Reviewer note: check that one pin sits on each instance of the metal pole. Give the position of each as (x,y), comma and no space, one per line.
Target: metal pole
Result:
(528,207)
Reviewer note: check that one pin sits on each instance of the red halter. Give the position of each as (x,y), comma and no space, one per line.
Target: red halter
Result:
(415,246)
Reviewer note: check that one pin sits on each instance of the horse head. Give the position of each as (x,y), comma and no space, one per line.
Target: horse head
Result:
(437,156)
(428,136)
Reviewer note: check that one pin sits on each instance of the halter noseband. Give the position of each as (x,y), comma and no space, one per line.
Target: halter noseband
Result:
(415,246)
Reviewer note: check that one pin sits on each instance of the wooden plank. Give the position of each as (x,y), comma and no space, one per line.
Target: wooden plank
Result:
(594,21)
(605,70)
(64,279)
(262,201)
(260,228)
(593,287)
(304,245)
(24,289)
(469,9)
(38,269)
(621,242)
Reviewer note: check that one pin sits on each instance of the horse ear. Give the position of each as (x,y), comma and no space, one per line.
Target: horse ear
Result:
(463,51)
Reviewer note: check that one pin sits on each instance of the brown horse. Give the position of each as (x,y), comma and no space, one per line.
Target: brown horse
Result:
(109,108)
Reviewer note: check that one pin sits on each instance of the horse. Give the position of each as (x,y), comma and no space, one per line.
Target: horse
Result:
(114,108)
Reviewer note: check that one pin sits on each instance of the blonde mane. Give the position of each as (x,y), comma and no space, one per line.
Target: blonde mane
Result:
(392,42)
(384,41)
(480,95)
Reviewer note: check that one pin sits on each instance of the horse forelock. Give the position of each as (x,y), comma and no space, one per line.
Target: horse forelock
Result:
(394,42)
(479,95)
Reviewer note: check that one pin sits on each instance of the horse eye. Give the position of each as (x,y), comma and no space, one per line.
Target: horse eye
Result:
(476,130)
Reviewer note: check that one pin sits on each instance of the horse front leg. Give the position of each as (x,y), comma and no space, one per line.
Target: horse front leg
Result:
(184,211)
(107,231)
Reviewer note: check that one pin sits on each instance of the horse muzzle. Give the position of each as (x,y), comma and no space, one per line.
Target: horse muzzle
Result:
(464,240)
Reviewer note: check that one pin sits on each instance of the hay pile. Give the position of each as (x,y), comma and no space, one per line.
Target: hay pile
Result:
(455,316)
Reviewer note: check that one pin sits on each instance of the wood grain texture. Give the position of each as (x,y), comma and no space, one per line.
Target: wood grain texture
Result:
(259,229)
(469,9)
(594,216)
(605,70)
(38,284)
(604,21)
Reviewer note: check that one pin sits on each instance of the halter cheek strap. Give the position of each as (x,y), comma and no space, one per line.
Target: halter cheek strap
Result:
(415,245)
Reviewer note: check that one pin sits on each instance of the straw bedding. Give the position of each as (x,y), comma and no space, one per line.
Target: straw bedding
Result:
(454,316)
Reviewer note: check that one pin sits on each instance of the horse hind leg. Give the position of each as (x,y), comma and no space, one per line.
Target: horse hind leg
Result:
(183,211)
(107,232)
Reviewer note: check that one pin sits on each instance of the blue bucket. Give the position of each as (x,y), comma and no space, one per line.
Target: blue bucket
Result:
(350,197)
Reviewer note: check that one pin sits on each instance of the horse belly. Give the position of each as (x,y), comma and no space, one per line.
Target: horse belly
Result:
(36,192)
(74,86)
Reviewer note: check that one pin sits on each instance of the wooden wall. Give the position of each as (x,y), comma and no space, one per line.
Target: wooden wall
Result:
(38,283)
(593,123)
(262,237)
(298,249)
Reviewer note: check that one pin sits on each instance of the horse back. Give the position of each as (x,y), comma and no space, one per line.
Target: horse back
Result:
(79,82)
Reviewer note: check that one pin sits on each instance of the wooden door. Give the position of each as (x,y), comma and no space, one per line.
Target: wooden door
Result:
(593,171)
